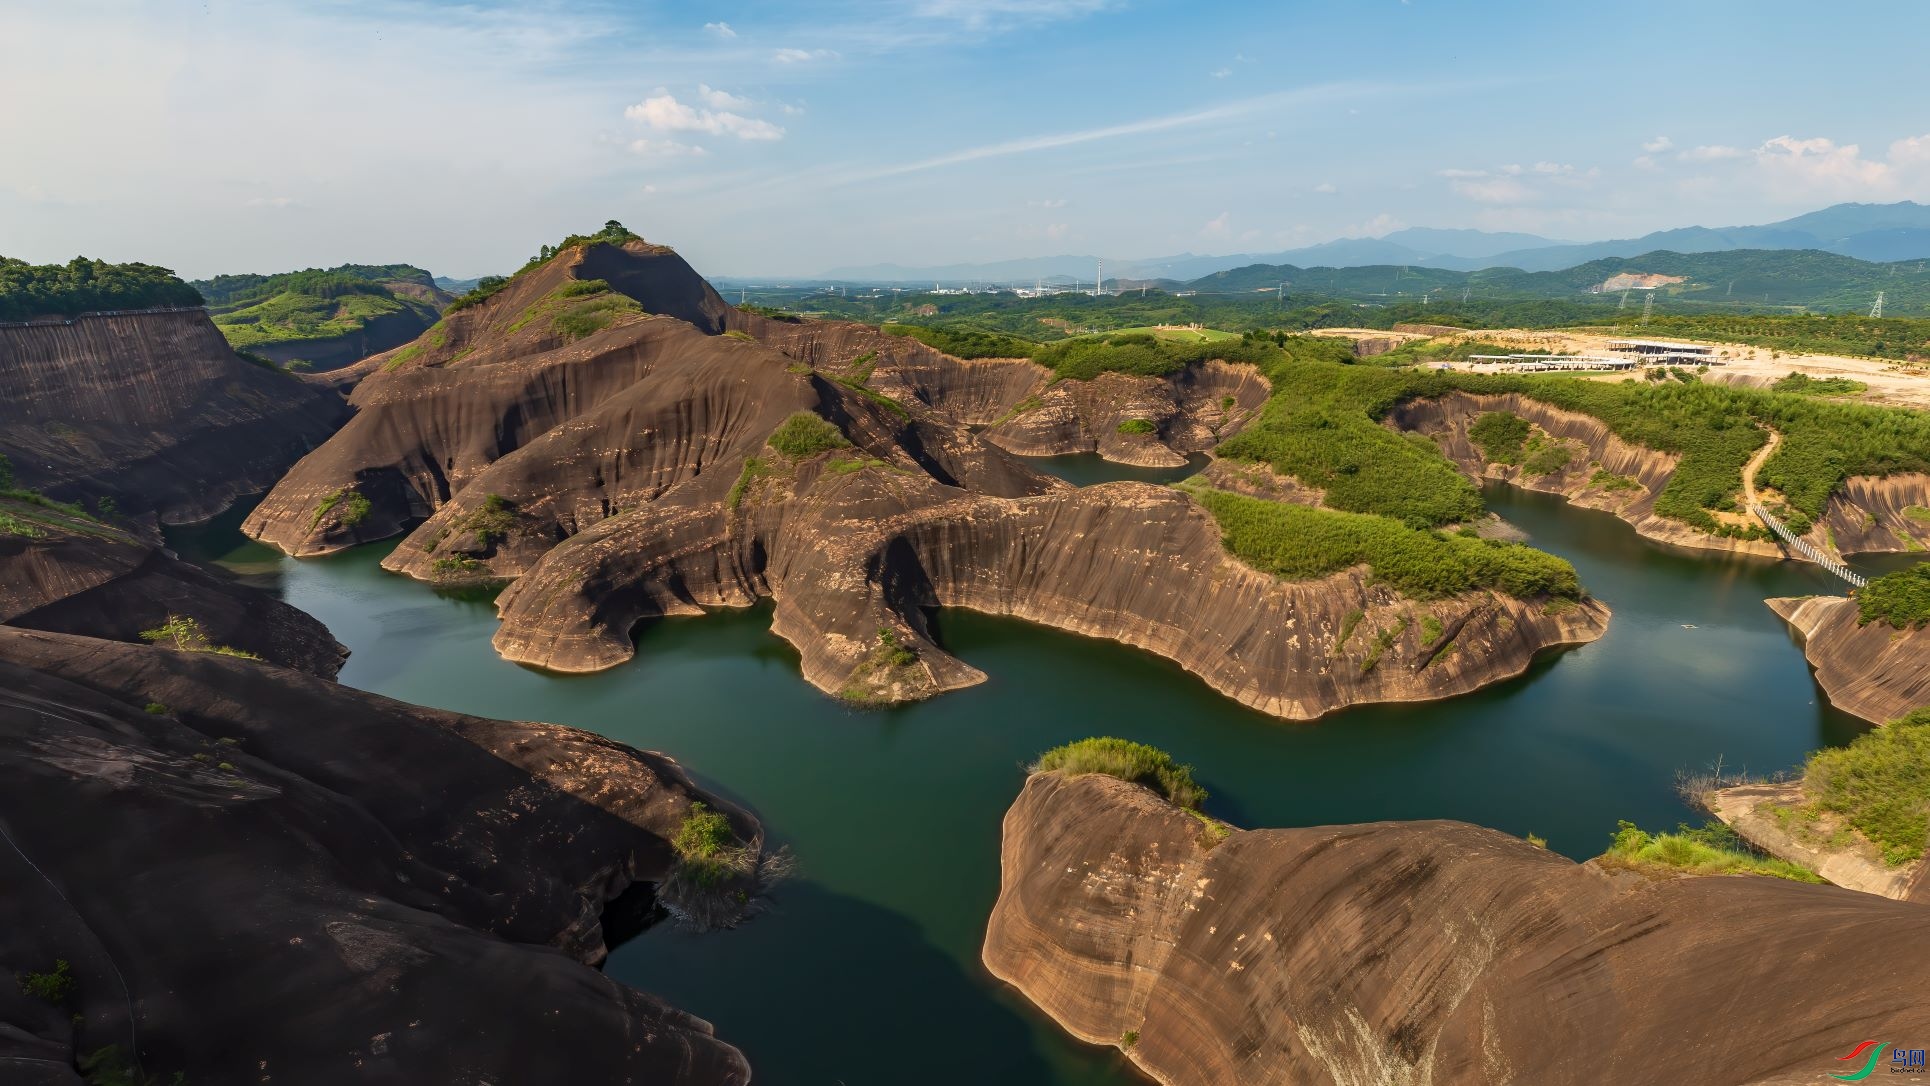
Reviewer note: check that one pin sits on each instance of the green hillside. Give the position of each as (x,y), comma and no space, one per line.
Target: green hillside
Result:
(319,304)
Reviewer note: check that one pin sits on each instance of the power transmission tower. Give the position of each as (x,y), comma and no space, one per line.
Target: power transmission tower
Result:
(1877,309)
(1648,307)
(1624,304)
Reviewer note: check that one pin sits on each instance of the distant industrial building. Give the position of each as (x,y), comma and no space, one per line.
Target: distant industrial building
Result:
(1656,350)
(1541,363)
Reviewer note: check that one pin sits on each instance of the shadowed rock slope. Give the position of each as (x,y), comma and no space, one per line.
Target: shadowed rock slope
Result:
(69,573)
(1426,952)
(152,410)
(1873,670)
(644,467)
(262,876)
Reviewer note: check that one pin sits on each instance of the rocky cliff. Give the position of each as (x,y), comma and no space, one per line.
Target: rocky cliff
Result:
(68,573)
(638,471)
(1427,952)
(1818,840)
(1874,671)
(152,410)
(256,875)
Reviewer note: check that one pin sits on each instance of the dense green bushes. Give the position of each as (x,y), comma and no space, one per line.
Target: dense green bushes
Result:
(964,342)
(1819,386)
(1129,761)
(84,286)
(1299,542)
(1901,599)
(1500,435)
(1879,784)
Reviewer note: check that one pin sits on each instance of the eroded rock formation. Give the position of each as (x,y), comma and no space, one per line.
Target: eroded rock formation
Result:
(1834,850)
(1874,671)
(76,575)
(258,875)
(152,410)
(1425,952)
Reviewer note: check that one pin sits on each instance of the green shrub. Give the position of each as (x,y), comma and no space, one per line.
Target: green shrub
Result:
(1901,599)
(805,434)
(355,508)
(1499,435)
(1299,542)
(1139,426)
(1819,386)
(754,469)
(964,342)
(578,287)
(55,986)
(1608,480)
(1880,784)
(1547,458)
(1129,1038)
(184,633)
(157,708)
(1713,849)
(492,521)
(1129,761)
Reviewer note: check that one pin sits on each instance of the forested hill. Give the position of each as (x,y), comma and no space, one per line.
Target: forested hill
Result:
(84,286)
(1744,277)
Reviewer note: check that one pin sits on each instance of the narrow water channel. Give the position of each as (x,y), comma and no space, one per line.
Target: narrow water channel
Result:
(867,972)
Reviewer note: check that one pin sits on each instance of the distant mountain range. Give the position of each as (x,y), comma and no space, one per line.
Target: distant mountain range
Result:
(1873,232)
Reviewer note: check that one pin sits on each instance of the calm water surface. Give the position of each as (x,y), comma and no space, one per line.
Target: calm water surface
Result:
(867,971)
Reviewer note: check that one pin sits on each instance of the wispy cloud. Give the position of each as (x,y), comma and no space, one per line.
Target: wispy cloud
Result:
(720,29)
(663,112)
(803,56)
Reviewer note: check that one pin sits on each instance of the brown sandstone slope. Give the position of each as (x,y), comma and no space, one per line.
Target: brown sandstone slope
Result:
(152,410)
(1875,671)
(280,877)
(1426,952)
(74,575)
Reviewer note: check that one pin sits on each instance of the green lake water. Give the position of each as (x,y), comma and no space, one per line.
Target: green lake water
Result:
(866,970)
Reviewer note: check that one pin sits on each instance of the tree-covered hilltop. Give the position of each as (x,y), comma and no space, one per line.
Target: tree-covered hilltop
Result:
(253,310)
(613,233)
(87,286)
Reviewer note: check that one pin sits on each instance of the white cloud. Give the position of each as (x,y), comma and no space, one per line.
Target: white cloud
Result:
(1711,153)
(802,56)
(663,112)
(1220,73)
(1645,162)
(1056,231)
(1823,165)
(720,29)
(667,149)
(1216,227)
(1377,226)
(1559,169)
(1007,14)
(1452,173)
(717,99)
(1326,188)
(1049,204)
(1910,151)
(1658,145)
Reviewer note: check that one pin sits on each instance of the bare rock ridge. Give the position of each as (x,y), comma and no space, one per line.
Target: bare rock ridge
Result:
(76,575)
(1425,952)
(1867,515)
(152,410)
(264,875)
(632,471)
(1875,671)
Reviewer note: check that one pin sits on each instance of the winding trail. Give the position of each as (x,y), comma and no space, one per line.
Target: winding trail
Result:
(1755,464)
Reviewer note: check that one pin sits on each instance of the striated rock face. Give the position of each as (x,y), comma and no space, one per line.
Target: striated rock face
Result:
(1882,515)
(280,878)
(1447,419)
(1876,671)
(1191,411)
(78,576)
(1425,952)
(152,410)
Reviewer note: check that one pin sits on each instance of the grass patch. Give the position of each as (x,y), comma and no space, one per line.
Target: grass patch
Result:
(1603,479)
(1901,599)
(1300,542)
(1546,457)
(1880,784)
(754,469)
(1347,625)
(354,508)
(1139,426)
(1129,761)
(964,342)
(745,336)
(805,434)
(56,986)
(1713,849)
(457,565)
(183,632)
(492,522)
(857,385)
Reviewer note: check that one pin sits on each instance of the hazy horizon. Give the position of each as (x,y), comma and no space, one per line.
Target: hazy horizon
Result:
(215,137)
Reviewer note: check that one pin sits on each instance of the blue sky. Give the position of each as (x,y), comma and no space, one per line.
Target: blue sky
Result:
(764,138)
